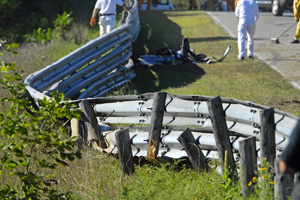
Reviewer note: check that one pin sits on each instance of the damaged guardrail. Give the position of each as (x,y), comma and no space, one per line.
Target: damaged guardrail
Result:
(242,118)
(195,127)
(104,64)
(92,70)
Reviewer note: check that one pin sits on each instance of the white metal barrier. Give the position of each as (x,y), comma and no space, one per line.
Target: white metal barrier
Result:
(242,117)
(93,69)
(103,64)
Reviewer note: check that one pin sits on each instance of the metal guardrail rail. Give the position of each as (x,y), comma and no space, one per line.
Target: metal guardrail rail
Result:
(181,111)
(93,69)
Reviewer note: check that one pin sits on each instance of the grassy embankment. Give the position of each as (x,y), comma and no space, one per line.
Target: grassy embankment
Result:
(97,176)
(250,80)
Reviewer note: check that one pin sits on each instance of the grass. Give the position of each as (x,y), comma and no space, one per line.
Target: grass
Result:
(250,80)
(97,176)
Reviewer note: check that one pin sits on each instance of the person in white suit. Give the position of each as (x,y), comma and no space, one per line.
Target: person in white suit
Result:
(107,14)
(248,14)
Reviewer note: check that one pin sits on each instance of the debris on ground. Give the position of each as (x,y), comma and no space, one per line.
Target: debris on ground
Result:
(184,55)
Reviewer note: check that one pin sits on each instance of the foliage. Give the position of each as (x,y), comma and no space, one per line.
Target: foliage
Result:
(32,143)
(264,189)
(97,176)
(40,35)
(62,24)
(19,18)
(8,7)
(170,182)
(228,185)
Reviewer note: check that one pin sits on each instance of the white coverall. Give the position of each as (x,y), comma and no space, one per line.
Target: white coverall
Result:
(248,14)
(107,14)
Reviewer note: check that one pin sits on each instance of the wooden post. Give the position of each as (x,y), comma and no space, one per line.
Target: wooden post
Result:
(193,150)
(89,118)
(248,161)
(267,136)
(26,95)
(77,131)
(221,132)
(75,127)
(125,151)
(157,115)
(283,183)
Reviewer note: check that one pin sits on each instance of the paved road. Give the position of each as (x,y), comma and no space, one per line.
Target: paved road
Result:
(283,57)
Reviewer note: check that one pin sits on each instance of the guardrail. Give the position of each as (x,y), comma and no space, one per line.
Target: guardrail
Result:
(104,63)
(92,70)
(242,118)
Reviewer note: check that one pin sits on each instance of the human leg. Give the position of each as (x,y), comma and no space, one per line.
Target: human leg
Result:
(111,23)
(102,29)
(102,25)
(250,35)
(241,38)
(297,34)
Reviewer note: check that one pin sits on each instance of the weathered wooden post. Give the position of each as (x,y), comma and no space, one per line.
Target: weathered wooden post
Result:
(267,136)
(283,183)
(125,151)
(221,132)
(158,108)
(77,132)
(193,150)
(89,118)
(248,161)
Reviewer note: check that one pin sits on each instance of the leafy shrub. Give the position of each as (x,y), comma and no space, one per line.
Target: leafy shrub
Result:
(264,189)
(62,24)
(32,143)
(40,35)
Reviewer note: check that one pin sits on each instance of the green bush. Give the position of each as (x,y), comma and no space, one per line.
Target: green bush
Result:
(62,24)
(32,141)
(19,18)
(40,35)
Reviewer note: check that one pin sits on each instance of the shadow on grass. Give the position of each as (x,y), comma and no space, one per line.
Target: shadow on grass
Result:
(161,77)
(157,31)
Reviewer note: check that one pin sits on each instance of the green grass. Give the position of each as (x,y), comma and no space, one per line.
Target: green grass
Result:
(250,80)
(97,176)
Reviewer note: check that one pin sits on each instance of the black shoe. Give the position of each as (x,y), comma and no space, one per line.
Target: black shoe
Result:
(294,41)
(250,57)
(241,58)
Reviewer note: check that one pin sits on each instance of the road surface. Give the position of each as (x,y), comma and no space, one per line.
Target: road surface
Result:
(283,57)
